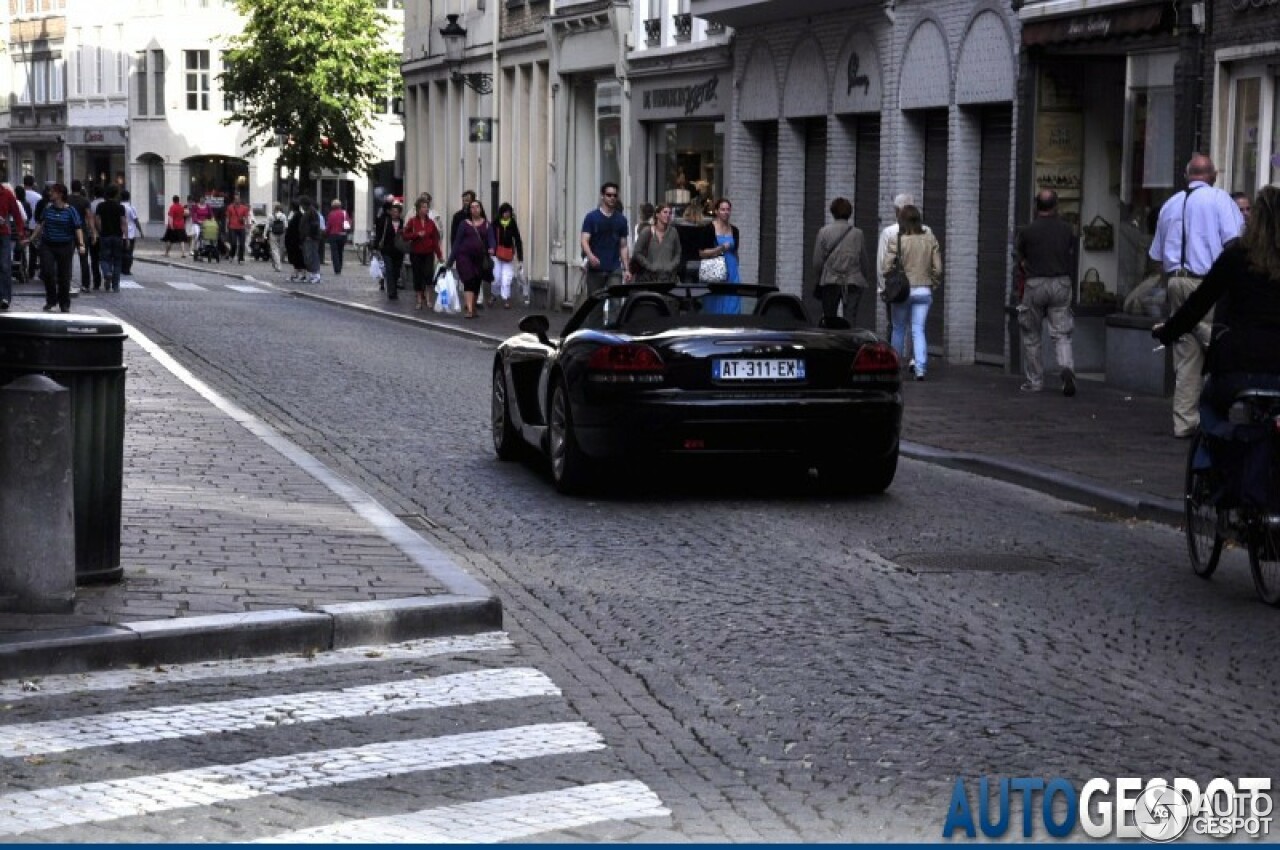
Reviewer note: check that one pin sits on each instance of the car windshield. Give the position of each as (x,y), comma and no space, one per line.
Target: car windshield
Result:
(639,309)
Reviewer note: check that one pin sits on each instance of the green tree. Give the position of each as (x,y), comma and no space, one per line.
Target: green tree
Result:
(314,69)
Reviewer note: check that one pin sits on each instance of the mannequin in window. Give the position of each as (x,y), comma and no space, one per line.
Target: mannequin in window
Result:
(680,194)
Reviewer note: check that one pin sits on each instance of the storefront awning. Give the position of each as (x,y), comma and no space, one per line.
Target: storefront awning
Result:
(1131,20)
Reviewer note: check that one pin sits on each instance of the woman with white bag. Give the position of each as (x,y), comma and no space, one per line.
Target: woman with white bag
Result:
(388,234)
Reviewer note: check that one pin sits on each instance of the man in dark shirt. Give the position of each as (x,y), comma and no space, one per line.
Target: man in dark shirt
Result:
(109,221)
(461,215)
(1046,251)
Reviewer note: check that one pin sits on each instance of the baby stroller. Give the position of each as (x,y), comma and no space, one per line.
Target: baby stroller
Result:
(207,247)
(259,248)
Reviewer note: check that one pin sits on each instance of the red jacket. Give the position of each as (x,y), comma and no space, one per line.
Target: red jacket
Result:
(10,210)
(423,237)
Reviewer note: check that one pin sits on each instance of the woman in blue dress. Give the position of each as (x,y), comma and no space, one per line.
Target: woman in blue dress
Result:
(724,243)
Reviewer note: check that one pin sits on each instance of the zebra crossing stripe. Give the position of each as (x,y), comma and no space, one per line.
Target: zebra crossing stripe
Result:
(244,287)
(185,286)
(131,284)
(489,821)
(97,802)
(118,680)
(191,720)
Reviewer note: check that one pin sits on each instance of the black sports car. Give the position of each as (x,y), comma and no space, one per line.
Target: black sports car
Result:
(717,370)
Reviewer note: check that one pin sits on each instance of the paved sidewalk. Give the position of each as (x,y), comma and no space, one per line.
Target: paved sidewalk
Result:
(1106,448)
(236,542)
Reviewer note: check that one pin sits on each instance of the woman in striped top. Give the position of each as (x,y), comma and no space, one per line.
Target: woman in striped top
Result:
(60,235)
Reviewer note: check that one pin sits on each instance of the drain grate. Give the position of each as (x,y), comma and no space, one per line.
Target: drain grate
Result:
(417,522)
(982,562)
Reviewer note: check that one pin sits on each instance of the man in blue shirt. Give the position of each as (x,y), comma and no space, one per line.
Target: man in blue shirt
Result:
(604,242)
(1193,227)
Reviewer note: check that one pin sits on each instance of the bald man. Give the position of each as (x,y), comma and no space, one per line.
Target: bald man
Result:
(1193,227)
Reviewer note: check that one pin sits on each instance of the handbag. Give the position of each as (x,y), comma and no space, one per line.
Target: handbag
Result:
(897,287)
(506,253)
(713,270)
(1099,235)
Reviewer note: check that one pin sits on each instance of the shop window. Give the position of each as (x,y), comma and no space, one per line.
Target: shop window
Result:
(1252,127)
(686,163)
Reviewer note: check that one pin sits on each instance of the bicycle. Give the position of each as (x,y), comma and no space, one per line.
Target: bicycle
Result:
(1210,526)
(364,250)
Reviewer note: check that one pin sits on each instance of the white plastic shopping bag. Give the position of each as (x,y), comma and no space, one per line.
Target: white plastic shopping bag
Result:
(448,296)
(376,270)
(455,292)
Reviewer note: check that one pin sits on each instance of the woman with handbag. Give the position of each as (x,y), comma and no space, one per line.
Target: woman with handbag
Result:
(922,262)
(388,242)
(720,260)
(472,255)
(656,258)
(421,239)
(508,253)
(837,263)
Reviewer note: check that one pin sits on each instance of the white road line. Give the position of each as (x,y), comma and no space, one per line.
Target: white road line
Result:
(244,287)
(195,719)
(489,821)
(118,680)
(96,802)
(131,284)
(185,286)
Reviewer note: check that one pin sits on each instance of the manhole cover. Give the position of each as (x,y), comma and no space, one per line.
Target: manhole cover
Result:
(982,562)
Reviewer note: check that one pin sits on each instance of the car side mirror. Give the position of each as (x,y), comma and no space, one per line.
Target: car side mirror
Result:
(538,326)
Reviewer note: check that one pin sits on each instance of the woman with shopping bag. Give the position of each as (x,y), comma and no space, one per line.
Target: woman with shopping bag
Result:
(387,241)
(472,255)
(422,238)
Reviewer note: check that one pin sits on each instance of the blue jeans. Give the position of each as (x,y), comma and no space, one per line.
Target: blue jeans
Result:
(110,253)
(913,311)
(6,268)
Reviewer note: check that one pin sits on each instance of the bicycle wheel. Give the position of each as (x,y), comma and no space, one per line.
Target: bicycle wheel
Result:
(1264,556)
(1204,542)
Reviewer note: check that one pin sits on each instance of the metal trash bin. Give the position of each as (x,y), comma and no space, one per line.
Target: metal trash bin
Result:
(86,355)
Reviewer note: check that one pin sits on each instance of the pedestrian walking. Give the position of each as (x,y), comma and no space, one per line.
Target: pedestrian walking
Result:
(109,221)
(133,232)
(239,222)
(1193,227)
(724,246)
(472,256)
(311,232)
(293,244)
(337,228)
(508,253)
(694,236)
(460,216)
(35,201)
(60,234)
(11,228)
(604,242)
(657,255)
(922,262)
(1046,251)
(387,241)
(425,250)
(91,218)
(887,235)
(277,223)
(175,226)
(837,263)
(77,200)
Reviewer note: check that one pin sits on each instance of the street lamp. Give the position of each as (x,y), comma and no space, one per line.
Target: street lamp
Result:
(455,40)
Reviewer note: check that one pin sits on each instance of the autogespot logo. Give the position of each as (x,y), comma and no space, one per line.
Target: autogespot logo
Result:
(1126,807)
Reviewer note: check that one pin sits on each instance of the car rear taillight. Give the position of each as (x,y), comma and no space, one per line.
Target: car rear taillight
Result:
(876,359)
(627,363)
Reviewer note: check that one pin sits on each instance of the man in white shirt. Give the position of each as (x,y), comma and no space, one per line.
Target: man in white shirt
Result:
(1191,231)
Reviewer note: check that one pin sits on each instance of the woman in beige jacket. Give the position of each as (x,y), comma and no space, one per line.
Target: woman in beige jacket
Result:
(922,261)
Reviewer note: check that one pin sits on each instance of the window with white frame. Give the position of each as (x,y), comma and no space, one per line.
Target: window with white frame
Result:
(149,78)
(38,81)
(197,71)
(157,81)
(143,76)
(1252,95)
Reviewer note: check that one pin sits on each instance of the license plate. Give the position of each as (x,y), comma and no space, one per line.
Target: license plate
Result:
(743,369)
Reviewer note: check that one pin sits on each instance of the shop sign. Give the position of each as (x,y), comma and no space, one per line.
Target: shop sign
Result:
(481,130)
(689,98)
(94,136)
(1133,20)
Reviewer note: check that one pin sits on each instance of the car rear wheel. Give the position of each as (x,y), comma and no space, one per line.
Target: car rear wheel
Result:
(506,441)
(568,464)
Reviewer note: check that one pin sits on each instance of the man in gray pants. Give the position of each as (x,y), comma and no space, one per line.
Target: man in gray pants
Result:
(1046,249)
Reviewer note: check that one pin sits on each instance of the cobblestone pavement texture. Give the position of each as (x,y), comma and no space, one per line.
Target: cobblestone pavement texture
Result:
(774,666)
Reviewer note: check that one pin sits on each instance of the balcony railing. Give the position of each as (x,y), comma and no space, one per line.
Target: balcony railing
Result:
(684,26)
(653,32)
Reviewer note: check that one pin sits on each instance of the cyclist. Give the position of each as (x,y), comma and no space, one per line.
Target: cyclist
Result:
(1245,350)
